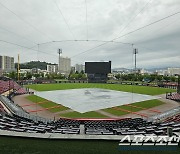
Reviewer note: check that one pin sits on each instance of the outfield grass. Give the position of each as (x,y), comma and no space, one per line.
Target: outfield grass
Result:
(17,145)
(127,88)
(144,104)
(47,104)
(92,114)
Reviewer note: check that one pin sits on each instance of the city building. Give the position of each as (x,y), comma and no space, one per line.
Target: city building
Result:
(142,71)
(173,71)
(73,69)
(7,64)
(35,70)
(52,68)
(65,65)
(24,71)
(79,67)
(160,72)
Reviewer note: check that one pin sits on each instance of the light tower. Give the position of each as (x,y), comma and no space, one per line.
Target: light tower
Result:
(18,69)
(59,52)
(135,52)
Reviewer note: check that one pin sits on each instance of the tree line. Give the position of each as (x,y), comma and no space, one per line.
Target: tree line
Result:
(145,77)
(33,64)
(26,76)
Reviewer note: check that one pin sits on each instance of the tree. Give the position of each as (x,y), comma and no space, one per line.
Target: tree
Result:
(47,76)
(36,75)
(13,75)
(173,78)
(77,76)
(166,78)
(82,72)
(28,75)
(118,76)
(140,77)
(159,77)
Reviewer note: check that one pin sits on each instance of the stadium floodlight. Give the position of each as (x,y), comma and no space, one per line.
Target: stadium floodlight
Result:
(59,52)
(135,52)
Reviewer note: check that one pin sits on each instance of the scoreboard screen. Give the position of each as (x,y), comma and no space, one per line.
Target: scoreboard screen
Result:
(98,67)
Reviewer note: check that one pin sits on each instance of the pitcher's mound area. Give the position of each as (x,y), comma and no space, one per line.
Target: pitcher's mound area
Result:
(92,99)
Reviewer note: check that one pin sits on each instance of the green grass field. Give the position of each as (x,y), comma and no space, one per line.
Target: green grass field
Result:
(144,104)
(118,87)
(17,145)
(47,104)
(94,114)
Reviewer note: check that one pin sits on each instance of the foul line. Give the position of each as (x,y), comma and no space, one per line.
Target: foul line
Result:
(45,109)
(143,108)
(34,104)
(143,115)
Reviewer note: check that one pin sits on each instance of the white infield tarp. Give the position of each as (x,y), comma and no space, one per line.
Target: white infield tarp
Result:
(92,99)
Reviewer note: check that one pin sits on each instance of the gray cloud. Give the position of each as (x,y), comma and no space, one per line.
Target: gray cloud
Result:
(158,44)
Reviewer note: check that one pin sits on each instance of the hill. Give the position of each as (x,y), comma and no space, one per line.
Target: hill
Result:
(34,64)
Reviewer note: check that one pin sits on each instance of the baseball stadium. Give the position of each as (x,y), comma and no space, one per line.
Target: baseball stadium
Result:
(66,89)
(95,115)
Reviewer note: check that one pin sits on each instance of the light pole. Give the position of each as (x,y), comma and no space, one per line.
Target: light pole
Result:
(59,52)
(135,52)
(18,73)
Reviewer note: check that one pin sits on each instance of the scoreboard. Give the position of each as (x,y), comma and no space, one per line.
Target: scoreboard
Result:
(98,67)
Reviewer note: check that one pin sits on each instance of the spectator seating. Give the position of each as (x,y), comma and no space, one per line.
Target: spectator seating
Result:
(11,85)
(128,126)
(174,96)
(18,124)
(175,118)
(134,126)
(3,86)
(2,108)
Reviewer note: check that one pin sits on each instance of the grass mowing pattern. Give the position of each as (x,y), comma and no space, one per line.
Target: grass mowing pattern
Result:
(127,88)
(17,145)
(91,114)
(47,104)
(145,104)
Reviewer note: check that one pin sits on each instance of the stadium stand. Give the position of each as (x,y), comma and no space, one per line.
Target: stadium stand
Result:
(164,115)
(2,108)
(127,126)
(172,85)
(18,120)
(9,85)
(174,96)
(18,111)
(175,118)
(3,86)
(20,124)
(134,126)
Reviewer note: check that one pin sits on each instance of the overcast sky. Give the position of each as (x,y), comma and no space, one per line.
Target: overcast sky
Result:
(31,22)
